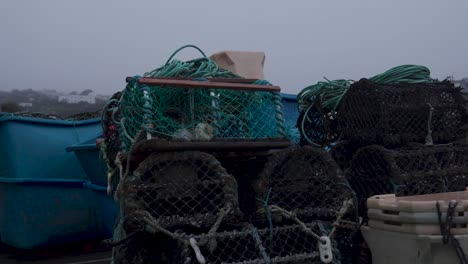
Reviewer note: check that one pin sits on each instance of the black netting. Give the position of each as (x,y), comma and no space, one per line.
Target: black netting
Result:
(288,244)
(305,181)
(393,115)
(180,189)
(416,169)
(352,247)
(171,195)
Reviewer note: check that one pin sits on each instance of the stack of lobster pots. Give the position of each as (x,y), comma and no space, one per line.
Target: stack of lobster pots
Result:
(399,144)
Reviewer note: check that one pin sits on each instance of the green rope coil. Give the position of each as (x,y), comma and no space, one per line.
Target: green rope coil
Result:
(197,68)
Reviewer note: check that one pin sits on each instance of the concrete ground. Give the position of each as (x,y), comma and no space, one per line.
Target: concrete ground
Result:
(89,258)
(85,253)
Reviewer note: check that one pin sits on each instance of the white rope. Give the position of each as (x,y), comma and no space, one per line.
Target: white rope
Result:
(200,258)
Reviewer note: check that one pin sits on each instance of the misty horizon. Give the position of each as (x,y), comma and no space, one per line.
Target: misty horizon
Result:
(74,46)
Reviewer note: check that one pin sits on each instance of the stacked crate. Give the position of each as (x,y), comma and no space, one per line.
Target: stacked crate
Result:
(428,228)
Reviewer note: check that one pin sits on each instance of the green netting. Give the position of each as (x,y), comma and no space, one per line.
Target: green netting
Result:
(184,113)
(198,114)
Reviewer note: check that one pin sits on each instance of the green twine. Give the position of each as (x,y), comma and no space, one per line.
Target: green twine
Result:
(395,187)
(444,184)
(270,221)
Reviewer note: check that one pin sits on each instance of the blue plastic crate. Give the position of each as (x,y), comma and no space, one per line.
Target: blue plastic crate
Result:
(35,147)
(105,208)
(44,212)
(290,114)
(290,111)
(91,160)
(104,205)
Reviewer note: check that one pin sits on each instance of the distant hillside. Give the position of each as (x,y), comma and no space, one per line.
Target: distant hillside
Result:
(46,102)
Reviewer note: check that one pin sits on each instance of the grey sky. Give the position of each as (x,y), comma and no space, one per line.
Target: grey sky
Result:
(81,44)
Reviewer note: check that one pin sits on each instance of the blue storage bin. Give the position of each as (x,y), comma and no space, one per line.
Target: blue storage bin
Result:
(290,114)
(103,204)
(35,147)
(290,111)
(91,162)
(106,209)
(44,212)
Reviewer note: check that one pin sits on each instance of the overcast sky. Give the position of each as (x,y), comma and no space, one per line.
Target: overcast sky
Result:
(81,44)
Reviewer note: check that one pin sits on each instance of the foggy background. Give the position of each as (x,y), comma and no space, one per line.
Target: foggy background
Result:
(78,45)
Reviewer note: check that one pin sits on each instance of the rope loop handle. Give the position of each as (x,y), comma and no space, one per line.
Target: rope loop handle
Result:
(184,47)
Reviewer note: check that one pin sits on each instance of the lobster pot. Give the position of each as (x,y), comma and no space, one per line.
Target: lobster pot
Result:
(395,114)
(188,113)
(288,244)
(303,180)
(417,169)
(179,189)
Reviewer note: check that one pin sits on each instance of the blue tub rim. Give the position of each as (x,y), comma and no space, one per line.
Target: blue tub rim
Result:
(289,97)
(88,144)
(4,117)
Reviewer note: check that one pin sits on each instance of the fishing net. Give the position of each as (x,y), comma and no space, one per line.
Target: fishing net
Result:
(414,170)
(184,195)
(303,180)
(395,114)
(178,113)
(288,244)
(304,184)
(180,189)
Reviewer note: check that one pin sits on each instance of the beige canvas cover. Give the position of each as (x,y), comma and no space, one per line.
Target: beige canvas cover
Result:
(247,64)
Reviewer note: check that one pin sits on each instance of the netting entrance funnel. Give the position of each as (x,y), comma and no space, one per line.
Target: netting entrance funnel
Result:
(180,189)
(306,181)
